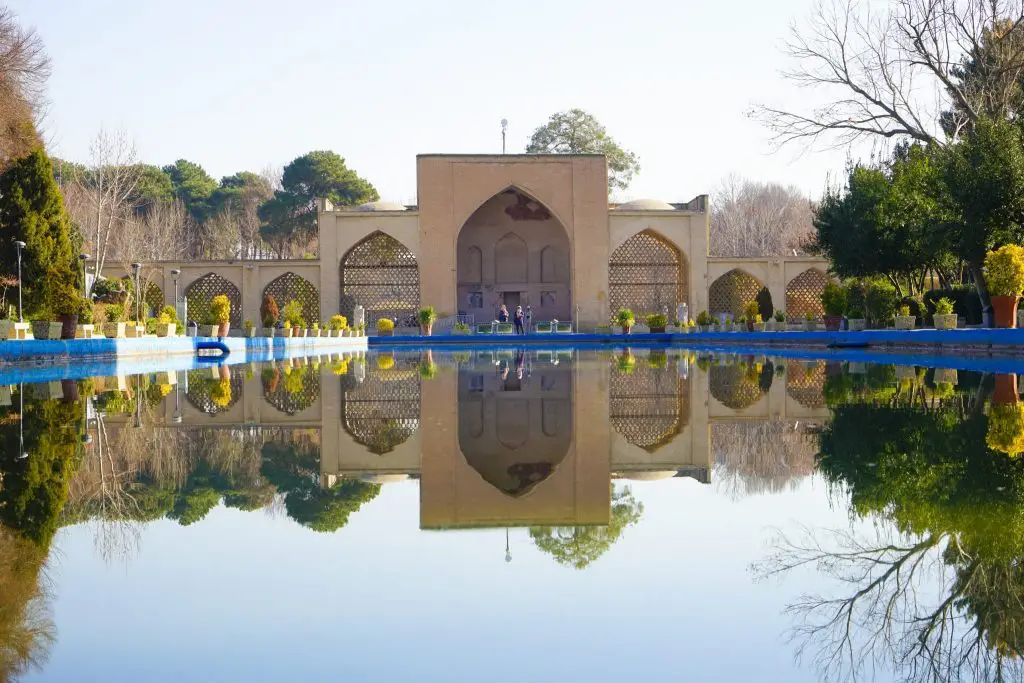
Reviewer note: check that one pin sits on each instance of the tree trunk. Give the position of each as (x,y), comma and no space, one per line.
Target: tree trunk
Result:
(978,273)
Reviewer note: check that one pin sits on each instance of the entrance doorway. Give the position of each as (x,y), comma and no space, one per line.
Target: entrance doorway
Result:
(511,300)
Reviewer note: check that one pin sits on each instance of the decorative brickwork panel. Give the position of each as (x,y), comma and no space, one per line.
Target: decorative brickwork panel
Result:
(213,396)
(803,294)
(384,410)
(291,390)
(292,287)
(647,274)
(381,275)
(201,292)
(731,292)
(648,406)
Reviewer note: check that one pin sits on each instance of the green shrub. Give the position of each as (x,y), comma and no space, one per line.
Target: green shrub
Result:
(857,294)
(966,302)
(764,303)
(269,312)
(338,322)
(944,306)
(704,319)
(656,320)
(914,305)
(780,316)
(833,299)
(1004,270)
(426,315)
(220,310)
(881,302)
(115,313)
(292,312)
(625,317)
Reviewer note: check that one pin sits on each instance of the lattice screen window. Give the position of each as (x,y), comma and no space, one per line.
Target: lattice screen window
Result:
(382,276)
(154,299)
(805,383)
(731,292)
(647,274)
(649,407)
(201,292)
(207,396)
(735,386)
(383,411)
(292,287)
(291,390)
(803,294)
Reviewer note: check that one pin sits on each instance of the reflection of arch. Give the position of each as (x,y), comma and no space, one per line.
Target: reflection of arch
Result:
(510,257)
(647,274)
(380,274)
(203,391)
(732,291)
(737,386)
(291,390)
(805,383)
(803,294)
(649,406)
(201,292)
(292,287)
(384,410)
(514,440)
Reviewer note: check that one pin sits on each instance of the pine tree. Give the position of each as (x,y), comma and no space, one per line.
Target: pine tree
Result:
(32,210)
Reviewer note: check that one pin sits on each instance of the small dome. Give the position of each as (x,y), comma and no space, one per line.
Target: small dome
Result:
(648,476)
(380,206)
(646,205)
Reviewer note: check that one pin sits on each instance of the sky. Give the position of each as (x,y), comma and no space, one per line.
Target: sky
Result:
(242,84)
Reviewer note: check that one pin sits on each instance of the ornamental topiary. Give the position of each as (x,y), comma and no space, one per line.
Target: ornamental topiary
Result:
(833,299)
(1004,270)
(269,312)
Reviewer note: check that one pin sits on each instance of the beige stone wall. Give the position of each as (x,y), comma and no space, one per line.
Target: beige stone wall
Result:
(773,273)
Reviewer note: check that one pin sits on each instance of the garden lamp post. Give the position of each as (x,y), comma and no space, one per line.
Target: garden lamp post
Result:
(19,245)
(85,275)
(175,272)
(137,267)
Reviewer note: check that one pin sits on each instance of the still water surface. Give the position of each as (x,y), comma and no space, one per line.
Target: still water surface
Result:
(647,515)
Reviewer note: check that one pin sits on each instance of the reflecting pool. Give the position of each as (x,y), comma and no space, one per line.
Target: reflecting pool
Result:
(631,514)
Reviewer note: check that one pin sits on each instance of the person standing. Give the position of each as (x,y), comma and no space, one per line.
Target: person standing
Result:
(529,318)
(503,314)
(519,320)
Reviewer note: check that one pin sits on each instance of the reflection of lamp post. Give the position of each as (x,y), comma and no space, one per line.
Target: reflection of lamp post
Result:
(21,418)
(504,127)
(85,276)
(508,553)
(19,245)
(176,418)
(137,267)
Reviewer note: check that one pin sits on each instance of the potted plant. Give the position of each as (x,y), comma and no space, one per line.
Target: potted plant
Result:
(625,319)
(750,312)
(855,320)
(427,315)
(292,312)
(385,327)
(113,328)
(944,317)
(690,327)
(67,305)
(338,323)
(269,314)
(778,321)
(1004,273)
(286,329)
(904,320)
(250,329)
(166,322)
(833,300)
(220,314)
(704,321)
(460,328)
(809,323)
(656,322)
(758,323)
(315,330)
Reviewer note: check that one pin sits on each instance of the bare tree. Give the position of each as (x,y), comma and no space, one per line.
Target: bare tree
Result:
(24,70)
(894,74)
(749,218)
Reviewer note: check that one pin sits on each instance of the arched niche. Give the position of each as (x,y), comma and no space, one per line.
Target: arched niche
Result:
(510,259)
(200,293)
(731,292)
(803,294)
(647,274)
(291,287)
(380,274)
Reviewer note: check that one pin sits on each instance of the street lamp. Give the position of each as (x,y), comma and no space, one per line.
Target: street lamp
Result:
(138,292)
(504,127)
(85,276)
(19,245)
(175,272)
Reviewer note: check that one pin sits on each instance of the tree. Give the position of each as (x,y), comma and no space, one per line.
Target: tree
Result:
(24,70)
(883,72)
(291,214)
(577,132)
(749,218)
(578,547)
(32,210)
(238,199)
(154,188)
(194,186)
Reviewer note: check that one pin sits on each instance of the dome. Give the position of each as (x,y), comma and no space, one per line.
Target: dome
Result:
(646,205)
(648,476)
(383,478)
(380,206)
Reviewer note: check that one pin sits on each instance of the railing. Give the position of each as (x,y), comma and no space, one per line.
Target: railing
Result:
(446,324)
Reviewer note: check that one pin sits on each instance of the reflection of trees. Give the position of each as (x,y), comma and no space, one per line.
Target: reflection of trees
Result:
(944,507)
(26,627)
(766,456)
(578,547)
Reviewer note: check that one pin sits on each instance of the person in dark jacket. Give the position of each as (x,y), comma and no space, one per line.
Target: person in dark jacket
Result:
(503,314)
(519,320)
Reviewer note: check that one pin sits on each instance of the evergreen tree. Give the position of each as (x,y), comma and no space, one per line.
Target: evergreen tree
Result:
(32,210)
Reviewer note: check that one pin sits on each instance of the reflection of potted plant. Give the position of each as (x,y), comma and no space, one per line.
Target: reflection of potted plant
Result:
(625,319)
(626,362)
(656,322)
(833,300)
(855,321)
(1004,274)
(385,327)
(944,317)
(1005,391)
(1006,428)
(220,393)
(904,320)
(426,315)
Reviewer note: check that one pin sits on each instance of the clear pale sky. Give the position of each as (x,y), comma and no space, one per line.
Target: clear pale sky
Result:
(240,84)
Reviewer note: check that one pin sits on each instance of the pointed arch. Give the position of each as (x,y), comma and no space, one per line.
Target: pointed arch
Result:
(732,291)
(510,259)
(803,294)
(648,274)
(382,411)
(515,190)
(382,275)
(649,407)
(292,287)
(201,291)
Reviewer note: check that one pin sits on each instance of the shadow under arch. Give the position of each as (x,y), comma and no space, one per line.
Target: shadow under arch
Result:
(513,250)
(382,275)
(514,430)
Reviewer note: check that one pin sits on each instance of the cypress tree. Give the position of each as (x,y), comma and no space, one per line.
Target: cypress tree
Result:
(32,210)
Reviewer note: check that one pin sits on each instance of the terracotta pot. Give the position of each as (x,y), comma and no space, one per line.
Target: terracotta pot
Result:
(427,328)
(1006,389)
(626,329)
(832,322)
(225,329)
(69,324)
(1005,309)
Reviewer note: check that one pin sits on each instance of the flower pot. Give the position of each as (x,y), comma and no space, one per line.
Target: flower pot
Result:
(856,324)
(287,331)
(113,330)
(832,322)
(1005,390)
(208,330)
(906,322)
(427,328)
(135,331)
(166,329)
(945,322)
(657,330)
(68,323)
(386,333)
(809,325)
(627,328)
(249,332)
(225,328)
(758,327)
(1005,310)
(81,332)
(268,332)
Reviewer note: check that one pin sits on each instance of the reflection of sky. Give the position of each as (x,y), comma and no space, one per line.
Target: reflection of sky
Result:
(244,596)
